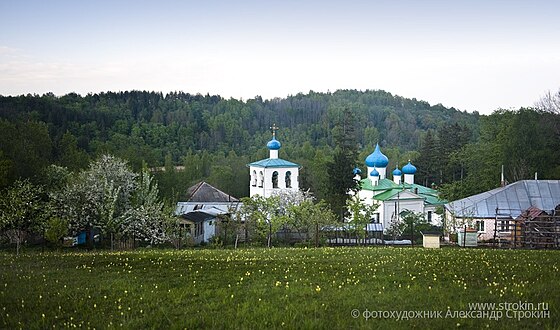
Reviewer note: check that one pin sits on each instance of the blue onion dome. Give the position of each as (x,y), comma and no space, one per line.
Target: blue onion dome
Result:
(409,168)
(357,171)
(377,158)
(374,173)
(397,172)
(273,144)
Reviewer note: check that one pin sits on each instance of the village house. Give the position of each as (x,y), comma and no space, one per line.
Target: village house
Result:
(201,214)
(493,213)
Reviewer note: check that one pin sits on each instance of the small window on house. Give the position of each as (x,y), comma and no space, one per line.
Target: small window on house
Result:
(375,218)
(480,225)
(430,216)
(274,179)
(254,179)
(504,226)
(288,179)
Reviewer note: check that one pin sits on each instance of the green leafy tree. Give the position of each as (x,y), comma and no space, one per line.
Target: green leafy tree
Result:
(262,218)
(55,229)
(361,214)
(414,224)
(21,211)
(70,155)
(309,219)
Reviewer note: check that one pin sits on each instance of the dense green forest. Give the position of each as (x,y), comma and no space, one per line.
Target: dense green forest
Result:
(205,137)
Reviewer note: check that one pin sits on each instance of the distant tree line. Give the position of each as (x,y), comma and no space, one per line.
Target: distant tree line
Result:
(209,135)
(212,138)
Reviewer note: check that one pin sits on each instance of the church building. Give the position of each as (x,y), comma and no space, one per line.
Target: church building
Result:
(398,195)
(273,173)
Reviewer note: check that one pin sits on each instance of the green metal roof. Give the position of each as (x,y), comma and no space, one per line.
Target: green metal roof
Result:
(390,194)
(434,200)
(383,184)
(390,189)
(273,162)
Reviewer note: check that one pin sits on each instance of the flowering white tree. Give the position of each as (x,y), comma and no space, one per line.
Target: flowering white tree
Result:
(146,219)
(98,196)
(289,198)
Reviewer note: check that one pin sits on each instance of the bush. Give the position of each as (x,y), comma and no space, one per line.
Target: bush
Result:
(55,230)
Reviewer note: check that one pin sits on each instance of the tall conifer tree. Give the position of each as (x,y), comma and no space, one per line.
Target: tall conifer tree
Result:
(340,178)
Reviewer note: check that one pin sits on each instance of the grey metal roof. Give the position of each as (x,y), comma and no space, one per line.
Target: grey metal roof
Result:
(204,192)
(510,200)
(216,208)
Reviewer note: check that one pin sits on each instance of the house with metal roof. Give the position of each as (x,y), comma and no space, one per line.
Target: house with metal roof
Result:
(396,196)
(201,213)
(273,174)
(493,211)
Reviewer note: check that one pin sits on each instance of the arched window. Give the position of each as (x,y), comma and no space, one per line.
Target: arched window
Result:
(254,179)
(261,179)
(274,179)
(288,179)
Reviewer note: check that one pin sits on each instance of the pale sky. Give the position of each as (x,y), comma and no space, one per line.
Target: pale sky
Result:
(472,55)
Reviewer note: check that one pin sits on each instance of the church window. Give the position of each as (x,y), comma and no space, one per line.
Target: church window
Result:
(429,216)
(261,179)
(274,179)
(288,179)
(254,179)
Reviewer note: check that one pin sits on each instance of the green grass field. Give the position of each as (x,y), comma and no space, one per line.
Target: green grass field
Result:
(281,287)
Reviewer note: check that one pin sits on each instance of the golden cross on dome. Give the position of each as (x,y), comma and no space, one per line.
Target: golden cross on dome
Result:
(274,128)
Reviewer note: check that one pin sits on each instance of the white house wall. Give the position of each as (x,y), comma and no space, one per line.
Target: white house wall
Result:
(487,232)
(437,220)
(209,227)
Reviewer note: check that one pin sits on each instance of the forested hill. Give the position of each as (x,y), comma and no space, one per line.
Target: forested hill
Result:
(220,134)
(148,125)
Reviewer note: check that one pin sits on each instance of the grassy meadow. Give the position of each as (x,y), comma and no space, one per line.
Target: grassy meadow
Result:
(279,287)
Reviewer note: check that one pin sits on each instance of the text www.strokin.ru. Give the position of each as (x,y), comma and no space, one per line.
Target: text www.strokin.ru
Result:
(492,311)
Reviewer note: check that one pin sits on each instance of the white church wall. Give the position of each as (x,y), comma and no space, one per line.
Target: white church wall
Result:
(267,188)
